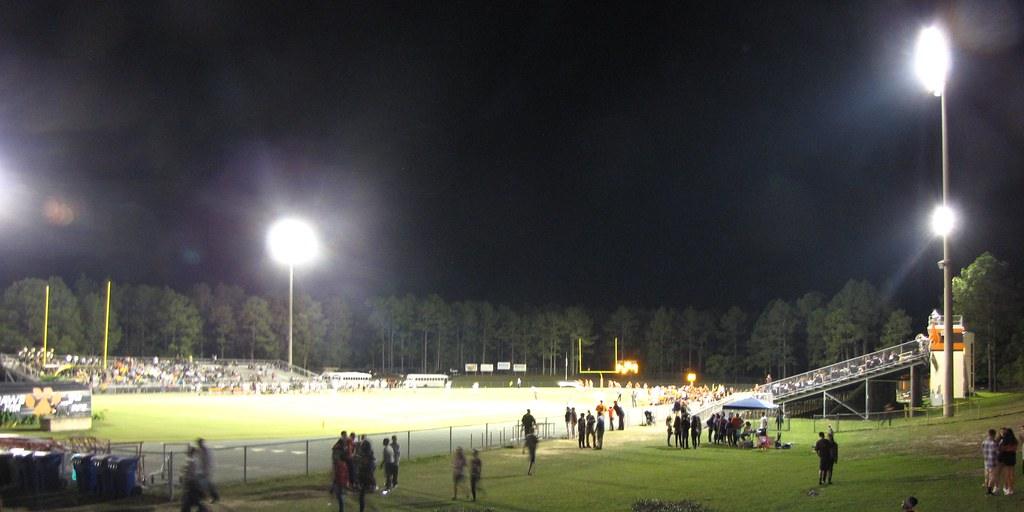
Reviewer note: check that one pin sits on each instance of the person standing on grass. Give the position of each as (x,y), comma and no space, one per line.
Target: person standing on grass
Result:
(695,431)
(339,476)
(833,450)
(778,420)
(476,467)
(621,415)
(459,470)
(824,450)
(398,458)
(591,422)
(574,419)
(531,445)
(568,422)
(990,454)
(529,423)
(1007,460)
(389,466)
(677,430)
(581,431)
(599,431)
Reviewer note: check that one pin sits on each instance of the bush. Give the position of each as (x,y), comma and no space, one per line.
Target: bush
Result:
(646,505)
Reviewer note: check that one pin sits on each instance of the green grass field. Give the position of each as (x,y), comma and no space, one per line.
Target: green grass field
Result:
(936,460)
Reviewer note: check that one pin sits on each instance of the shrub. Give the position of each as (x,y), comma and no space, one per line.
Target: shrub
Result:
(647,505)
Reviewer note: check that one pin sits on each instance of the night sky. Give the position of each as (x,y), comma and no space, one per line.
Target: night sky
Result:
(639,153)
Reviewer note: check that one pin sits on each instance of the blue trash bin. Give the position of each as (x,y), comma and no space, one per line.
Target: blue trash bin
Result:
(110,477)
(82,464)
(102,474)
(48,466)
(125,476)
(24,469)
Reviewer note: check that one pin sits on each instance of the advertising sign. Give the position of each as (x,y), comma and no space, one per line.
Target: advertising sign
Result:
(487,368)
(519,367)
(504,366)
(45,399)
(471,368)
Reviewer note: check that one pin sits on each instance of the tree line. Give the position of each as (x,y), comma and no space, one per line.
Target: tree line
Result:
(396,335)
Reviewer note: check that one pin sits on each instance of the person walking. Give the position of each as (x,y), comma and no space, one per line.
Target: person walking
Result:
(206,470)
(476,467)
(531,445)
(459,470)
(194,490)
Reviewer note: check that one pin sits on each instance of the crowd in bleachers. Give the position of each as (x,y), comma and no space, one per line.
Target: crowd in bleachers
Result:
(139,374)
(850,369)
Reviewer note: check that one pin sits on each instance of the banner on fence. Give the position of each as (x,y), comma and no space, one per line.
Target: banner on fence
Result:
(56,399)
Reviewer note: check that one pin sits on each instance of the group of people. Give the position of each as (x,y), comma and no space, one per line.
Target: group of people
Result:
(589,428)
(683,428)
(1000,453)
(476,467)
(354,465)
(198,478)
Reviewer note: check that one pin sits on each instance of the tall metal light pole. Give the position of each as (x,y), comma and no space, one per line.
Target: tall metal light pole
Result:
(291,241)
(932,63)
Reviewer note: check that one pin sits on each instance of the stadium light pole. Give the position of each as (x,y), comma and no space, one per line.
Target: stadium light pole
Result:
(291,241)
(932,62)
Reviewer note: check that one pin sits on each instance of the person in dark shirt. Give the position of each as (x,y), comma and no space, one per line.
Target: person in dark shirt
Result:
(531,445)
(581,431)
(824,450)
(621,414)
(833,451)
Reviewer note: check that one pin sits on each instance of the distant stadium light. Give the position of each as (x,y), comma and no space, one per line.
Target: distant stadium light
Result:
(291,241)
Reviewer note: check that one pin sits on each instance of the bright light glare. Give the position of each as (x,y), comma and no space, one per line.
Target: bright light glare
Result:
(942,221)
(932,59)
(292,242)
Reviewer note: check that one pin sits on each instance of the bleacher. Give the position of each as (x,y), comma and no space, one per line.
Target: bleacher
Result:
(875,364)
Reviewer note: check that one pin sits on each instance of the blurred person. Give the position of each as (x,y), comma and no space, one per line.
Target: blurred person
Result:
(206,470)
(599,432)
(194,490)
(531,445)
(459,469)
(365,463)
(677,430)
(910,504)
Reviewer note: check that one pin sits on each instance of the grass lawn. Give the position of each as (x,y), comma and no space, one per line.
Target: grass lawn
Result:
(936,460)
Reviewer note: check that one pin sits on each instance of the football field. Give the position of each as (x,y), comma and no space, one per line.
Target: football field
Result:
(182,417)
